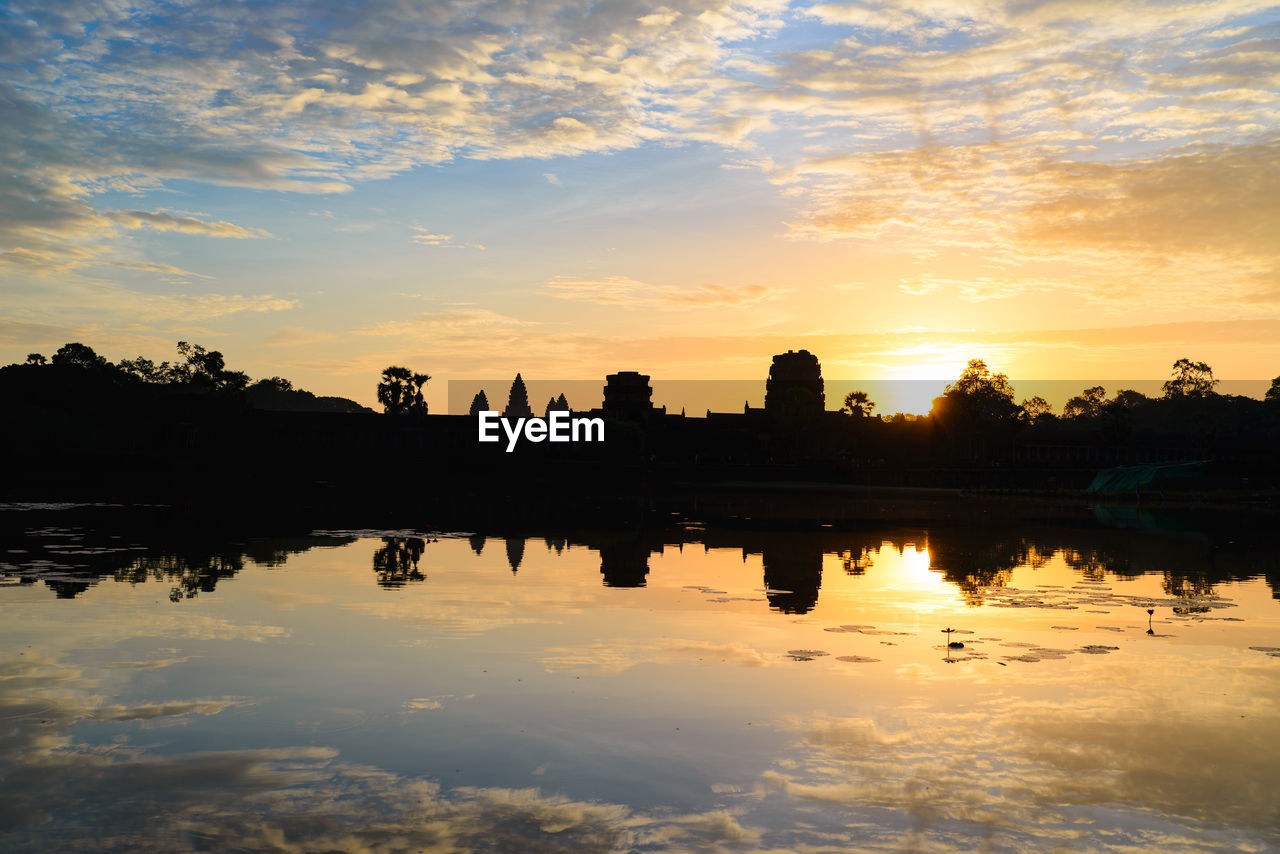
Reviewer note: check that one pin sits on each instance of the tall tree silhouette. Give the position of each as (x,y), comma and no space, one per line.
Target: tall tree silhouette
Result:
(208,369)
(1127,398)
(1086,404)
(977,397)
(147,370)
(400,391)
(518,401)
(858,404)
(78,355)
(200,369)
(1189,379)
(273,384)
(1273,393)
(1036,409)
(36,359)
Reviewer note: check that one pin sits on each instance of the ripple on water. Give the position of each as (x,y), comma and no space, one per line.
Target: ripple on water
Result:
(865,630)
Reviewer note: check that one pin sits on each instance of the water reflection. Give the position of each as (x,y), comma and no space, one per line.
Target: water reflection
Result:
(752,690)
(1102,774)
(792,575)
(975,560)
(265,799)
(624,562)
(396,562)
(70,559)
(515,552)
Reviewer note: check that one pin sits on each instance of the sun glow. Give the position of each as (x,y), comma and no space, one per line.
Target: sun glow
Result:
(913,565)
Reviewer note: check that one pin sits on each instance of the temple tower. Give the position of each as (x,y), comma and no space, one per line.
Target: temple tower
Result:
(794,387)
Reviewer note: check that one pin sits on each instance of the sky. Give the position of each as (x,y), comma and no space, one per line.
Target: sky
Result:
(1072,189)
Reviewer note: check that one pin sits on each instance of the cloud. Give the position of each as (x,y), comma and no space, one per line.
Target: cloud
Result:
(187,307)
(182,224)
(975,289)
(919,285)
(1159,231)
(307,98)
(452,325)
(629,293)
(292,336)
(168,270)
(1222,200)
(1038,134)
(423,237)
(1067,135)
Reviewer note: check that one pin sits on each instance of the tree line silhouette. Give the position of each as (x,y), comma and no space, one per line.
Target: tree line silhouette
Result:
(170,420)
(978,419)
(199,371)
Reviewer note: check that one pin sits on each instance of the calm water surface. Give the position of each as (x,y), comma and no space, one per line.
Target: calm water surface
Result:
(689,689)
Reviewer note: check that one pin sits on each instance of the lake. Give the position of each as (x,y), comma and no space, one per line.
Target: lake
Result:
(1111,683)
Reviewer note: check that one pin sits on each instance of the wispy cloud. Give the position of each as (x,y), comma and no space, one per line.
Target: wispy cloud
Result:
(454,325)
(424,237)
(629,293)
(183,224)
(167,270)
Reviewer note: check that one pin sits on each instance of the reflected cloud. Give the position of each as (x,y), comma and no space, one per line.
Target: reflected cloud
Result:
(426,704)
(616,657)
(280,798)
(152,711)
(1014,770)
(153,664)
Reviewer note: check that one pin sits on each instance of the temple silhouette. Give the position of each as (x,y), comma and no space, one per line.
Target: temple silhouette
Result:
(1157,445)
(166,431)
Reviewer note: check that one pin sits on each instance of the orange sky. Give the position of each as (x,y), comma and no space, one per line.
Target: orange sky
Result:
(1069,190)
